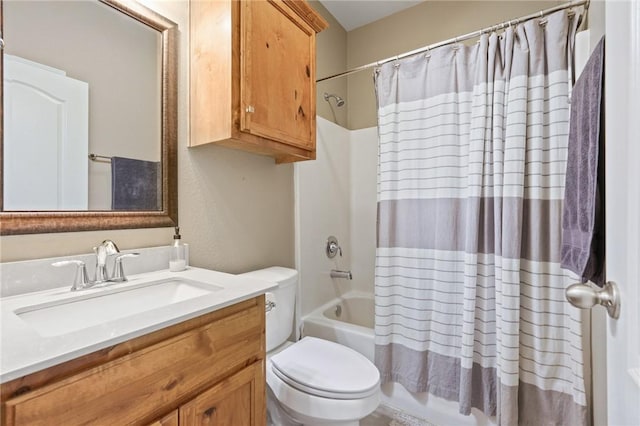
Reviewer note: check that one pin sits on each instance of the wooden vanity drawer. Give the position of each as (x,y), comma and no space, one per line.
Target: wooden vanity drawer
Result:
(148,383)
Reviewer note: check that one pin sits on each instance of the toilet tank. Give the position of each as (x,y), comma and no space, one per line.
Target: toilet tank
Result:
(279,321)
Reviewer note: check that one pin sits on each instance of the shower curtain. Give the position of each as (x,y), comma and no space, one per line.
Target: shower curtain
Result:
(469,293)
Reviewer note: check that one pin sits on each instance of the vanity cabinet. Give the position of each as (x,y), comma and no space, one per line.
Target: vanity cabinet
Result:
(207,370)
(252,68)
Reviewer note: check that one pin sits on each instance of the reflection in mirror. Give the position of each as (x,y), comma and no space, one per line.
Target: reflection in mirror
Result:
(93,88)
(89,116)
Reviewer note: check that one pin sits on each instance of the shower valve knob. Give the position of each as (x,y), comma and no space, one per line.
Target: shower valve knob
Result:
(333,247)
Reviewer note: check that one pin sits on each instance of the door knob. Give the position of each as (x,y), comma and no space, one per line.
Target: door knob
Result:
(585,297)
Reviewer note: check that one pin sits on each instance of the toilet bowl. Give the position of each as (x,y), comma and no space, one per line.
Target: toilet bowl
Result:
(312,381)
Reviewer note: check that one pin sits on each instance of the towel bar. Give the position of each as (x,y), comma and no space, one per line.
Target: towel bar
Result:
(99,158)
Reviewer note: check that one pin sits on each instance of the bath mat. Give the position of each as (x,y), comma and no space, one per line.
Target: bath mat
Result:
(389,416)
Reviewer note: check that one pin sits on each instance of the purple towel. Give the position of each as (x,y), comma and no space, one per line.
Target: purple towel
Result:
(135,184)
(583,215)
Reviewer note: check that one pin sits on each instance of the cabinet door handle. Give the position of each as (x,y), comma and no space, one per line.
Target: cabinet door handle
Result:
(250,109)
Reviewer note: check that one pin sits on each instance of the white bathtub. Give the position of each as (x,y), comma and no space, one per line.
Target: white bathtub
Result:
(348,320)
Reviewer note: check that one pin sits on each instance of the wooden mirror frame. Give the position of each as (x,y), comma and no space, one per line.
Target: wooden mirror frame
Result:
(14,223)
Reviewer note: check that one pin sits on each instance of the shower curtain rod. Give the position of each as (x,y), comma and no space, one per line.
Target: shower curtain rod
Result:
(468,36)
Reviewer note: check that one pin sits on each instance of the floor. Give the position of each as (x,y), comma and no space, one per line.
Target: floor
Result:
(388,416)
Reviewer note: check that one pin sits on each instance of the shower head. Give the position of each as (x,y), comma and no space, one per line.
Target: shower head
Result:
(339,100)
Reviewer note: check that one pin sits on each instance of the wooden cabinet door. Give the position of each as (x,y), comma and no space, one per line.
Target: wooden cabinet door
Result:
(277,74)
(238,400)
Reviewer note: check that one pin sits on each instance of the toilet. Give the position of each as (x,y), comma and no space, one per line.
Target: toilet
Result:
(312,381)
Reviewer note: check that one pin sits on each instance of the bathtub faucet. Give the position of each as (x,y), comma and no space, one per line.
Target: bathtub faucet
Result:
(341,274)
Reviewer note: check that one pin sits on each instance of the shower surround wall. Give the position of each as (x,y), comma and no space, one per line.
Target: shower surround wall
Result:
(336,195)
(322,191)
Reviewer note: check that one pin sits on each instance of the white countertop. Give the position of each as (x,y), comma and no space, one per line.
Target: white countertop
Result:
(24,351)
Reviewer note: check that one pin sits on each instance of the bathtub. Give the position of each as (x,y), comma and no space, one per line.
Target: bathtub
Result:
(348,320)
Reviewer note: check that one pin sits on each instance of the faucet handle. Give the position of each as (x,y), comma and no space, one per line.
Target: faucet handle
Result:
(118,269)
(81,279)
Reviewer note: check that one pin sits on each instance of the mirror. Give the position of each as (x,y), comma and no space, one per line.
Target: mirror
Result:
(89,122)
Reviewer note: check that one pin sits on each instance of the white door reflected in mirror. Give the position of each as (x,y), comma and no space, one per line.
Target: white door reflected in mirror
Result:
(46,138)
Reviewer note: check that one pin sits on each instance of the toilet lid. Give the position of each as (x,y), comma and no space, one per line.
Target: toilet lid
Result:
(327,369)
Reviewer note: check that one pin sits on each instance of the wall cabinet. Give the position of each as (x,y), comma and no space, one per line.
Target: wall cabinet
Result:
(252,76)
(208,370)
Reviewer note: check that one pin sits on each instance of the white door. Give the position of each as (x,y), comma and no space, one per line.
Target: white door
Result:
(622,76)
(45,138)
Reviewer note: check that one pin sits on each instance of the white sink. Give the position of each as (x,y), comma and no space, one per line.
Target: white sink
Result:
(108,304)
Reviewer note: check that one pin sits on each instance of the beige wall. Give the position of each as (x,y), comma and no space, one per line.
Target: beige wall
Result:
(421,25)
(235,208)
(331,59)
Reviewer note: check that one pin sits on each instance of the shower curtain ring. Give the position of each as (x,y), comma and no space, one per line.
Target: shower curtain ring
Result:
(542,21)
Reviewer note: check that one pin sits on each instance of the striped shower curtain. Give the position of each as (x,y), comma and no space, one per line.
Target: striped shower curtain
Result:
(469,292)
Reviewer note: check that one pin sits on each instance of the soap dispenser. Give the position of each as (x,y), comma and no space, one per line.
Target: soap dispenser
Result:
(178,258)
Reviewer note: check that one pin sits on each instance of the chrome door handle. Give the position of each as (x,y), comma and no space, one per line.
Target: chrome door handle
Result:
(585,297)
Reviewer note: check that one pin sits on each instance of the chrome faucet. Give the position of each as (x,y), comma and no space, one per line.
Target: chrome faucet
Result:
(103,251)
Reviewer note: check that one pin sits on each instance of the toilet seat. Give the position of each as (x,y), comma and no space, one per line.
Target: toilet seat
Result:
(305,406)
(326,369)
